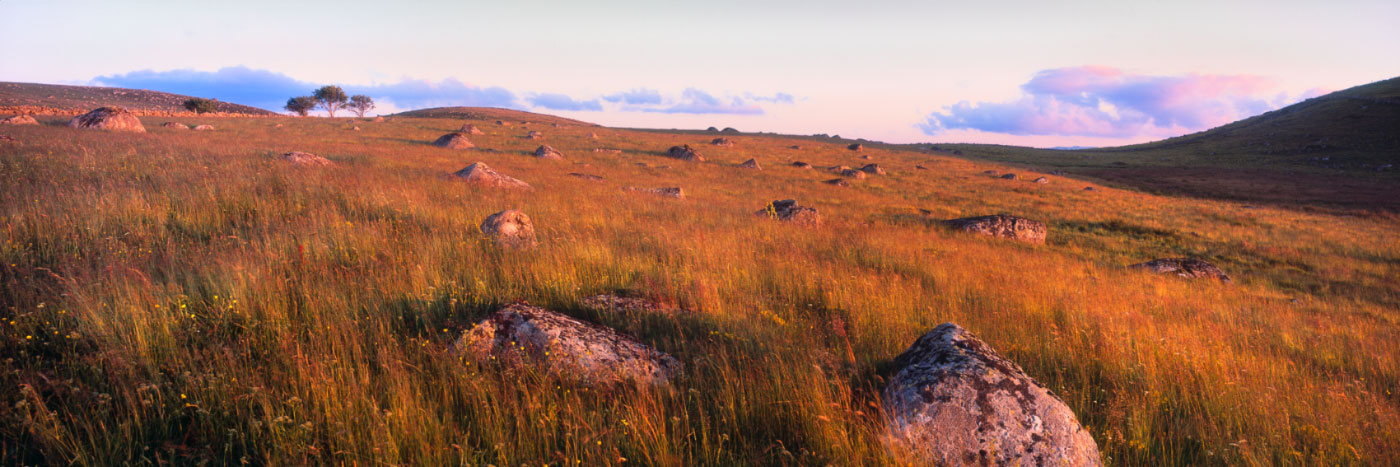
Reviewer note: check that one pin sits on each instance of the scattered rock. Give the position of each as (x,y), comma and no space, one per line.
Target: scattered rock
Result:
(471,129)
(175,125)
(750,164)
(204,128)
(1190,268)
(1002,226)
(802,165)
(456,140)
(873,169)
(534,135)
(108,118)
(615,303)
(279,125)
(955,401)
(354,128)
(590,354)
(378,119)
(920,167)
(726,142)
(838,182)
(837,169)
(546,152)
(1041,180)
(855,147)
(853,173)
(684,153)
(794,147)
(866,157)
(669,192)
(480,174)
(584,176)
(502,123)
(305,158)
(788,210)
(19,120)
(592,136)
(1009,176)
(510,228)
(1089,188)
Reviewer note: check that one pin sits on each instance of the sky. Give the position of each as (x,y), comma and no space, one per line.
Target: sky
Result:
(1011,72)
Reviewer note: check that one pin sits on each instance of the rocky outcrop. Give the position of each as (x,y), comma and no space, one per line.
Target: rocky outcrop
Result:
(668,192)
(456,140)
(110,119)
(789,210)
(546,152)
(305,158)
(482,175)
(522,335)
(1002,226)
(19,120)
(471,130)
(510,228)
(1190,268)
(750,164)
(955,401)
(684,153)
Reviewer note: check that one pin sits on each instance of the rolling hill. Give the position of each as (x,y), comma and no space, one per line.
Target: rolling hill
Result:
(491,113)
(45,98)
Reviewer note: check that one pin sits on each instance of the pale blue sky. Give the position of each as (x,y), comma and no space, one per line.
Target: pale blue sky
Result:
(861,69)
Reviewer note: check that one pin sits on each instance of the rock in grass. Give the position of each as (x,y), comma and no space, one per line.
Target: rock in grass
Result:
(546,152)
(482,175)
(668,192)
(305,158)
(855,147)
(19,120)
(510,228)
(1190,268)
(920,167)
(873,169)
(955,401)
(456,140)
(838,182)
(684,153)
(1041,180)
(502,123)
(723,142)
(596,178)
(204,128)
(615,303)
(534,135)
(802,165)
(522,335)
(853,173)
(110,119)
(378,120)
(1002,226)
(470,129)
(750,164)
(788,210)
(1009,176)
(175,125)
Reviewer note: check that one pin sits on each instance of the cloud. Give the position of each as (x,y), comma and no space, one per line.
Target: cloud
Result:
(1108,102)
(554,101)
(779,98)
(695,101)
(639,96)
(270,90)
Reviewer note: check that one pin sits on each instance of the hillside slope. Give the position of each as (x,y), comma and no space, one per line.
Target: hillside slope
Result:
(82,98)
(491,113)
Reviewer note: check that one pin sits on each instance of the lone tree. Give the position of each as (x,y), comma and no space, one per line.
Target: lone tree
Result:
(360,104)
(199,105)
(330,98)
(301,105)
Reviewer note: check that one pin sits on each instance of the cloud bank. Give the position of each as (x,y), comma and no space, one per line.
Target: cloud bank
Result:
(1099,101)
(270,90)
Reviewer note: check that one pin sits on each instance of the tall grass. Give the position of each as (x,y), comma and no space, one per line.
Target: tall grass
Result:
(184,297)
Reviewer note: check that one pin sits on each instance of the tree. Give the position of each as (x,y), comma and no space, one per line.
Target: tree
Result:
(330,98)
(360,104)
(301,105)
(198,105)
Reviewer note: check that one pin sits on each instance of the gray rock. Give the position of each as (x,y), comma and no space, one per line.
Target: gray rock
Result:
(175,125)
(1041,180)
(1009,176)
(471,130)
(955,401)
(510,228)
(802,165)
(669,192)
(616,303)
(19,120)
(546,152)
(838,182)
(456,140)
(724,142)
(305,158)
(110,119)
(684,153)
(789,210)
(873,169)
(1190,268)
(204,128)
(480,174)
(750,164)
(522,335)
(1002,226)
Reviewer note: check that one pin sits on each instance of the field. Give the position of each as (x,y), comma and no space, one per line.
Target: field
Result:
(183,297)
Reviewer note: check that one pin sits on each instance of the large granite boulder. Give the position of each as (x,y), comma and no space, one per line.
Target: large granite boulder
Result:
(684,153)
(456,140)
(510,228)
(110,119)
(1002,226)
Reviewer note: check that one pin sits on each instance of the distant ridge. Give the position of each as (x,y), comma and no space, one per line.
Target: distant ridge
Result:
(491,113)
(58,98)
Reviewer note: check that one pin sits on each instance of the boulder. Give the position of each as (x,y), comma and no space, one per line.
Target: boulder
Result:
(1190,268)
(1089,188)
(520,335)
(794,147)
(669,192)
(19,120)
(726,142)
(873,169)
(175,125)
(750,164)
(853,173)
(480,174)
(788,210)
(615,303)
(684,153)
(1002,226)
(1041,180)
(510,228)
(108,118)
(378,119)
(592,136)
(802,165)
(955,401)
(920,167)
(204,128)
(546,152)
(305,158)
(471,130)
(989,172)
(502,123)
(534,135)
(354,128)
(855,147)
(456,140)
(1009,176)
(837,169)
(838,182)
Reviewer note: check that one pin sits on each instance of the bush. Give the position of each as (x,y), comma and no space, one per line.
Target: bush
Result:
(203,106)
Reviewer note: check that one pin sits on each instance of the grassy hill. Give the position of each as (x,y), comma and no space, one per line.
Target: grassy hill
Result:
(83,98)
(491,114)
(184,297)
(1341,150)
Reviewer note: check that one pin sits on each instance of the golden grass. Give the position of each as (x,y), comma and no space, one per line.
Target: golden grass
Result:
(181,296)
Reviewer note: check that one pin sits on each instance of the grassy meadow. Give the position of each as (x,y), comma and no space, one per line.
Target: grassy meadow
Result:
(179,297)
